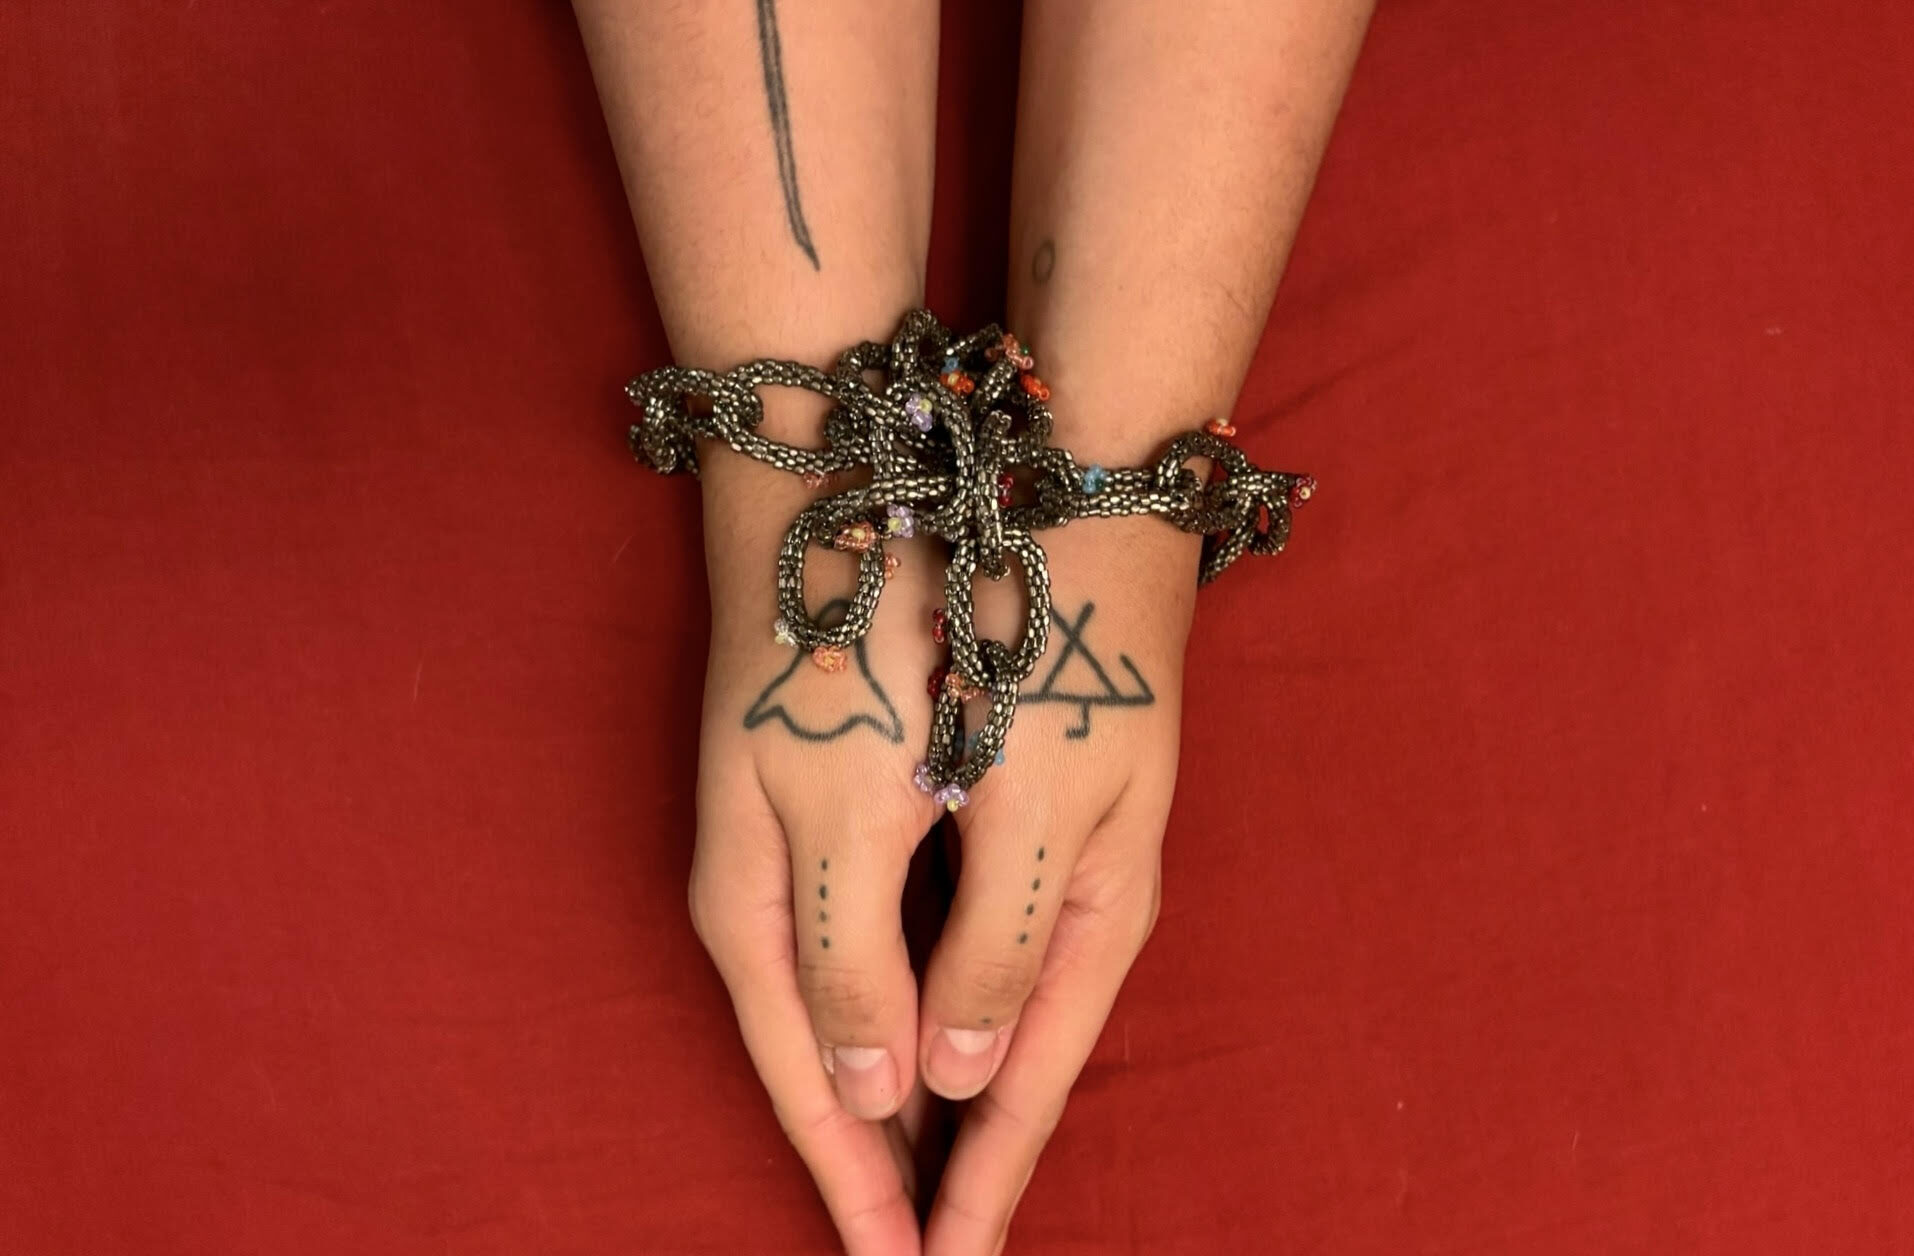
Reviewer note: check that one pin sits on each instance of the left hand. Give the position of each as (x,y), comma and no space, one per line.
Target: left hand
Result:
(1061,867)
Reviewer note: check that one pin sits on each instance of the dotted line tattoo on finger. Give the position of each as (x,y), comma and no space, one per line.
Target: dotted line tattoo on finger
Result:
(823,896)
(1030,908)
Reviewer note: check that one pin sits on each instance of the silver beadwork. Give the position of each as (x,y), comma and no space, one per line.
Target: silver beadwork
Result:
(944,477)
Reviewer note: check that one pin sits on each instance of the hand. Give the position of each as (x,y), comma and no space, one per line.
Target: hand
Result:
(1061,860)
(807,817)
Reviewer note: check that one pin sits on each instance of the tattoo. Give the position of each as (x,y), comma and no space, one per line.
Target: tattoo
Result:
(1088,684)
(823,917)
(772,54)
(878,715)
(1044,263)
(1030,908)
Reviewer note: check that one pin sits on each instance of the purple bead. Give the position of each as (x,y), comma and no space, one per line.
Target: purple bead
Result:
(920,412)
(922,778)
(902,521)
(950,797)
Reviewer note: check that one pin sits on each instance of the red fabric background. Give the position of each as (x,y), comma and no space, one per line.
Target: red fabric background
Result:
(1540,878)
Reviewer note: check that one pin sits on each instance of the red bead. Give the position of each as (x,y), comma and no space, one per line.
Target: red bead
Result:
(1005,483)
(1220,427)
(939,625)
(1301,489)
(936,685)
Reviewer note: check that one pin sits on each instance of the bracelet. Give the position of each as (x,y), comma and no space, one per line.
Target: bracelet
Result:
(955,438)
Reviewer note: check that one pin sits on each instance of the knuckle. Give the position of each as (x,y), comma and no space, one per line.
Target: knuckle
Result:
(1033,1127)
(845,1001)
(997,982)
(1116,917)
(706,914)
(1152,914)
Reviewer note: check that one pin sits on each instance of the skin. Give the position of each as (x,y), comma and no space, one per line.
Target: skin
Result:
(778,161)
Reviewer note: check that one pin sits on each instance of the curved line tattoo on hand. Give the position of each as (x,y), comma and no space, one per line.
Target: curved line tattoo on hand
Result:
(881,719)
(772,53)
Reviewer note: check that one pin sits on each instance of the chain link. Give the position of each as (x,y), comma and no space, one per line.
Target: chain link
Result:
(954,434)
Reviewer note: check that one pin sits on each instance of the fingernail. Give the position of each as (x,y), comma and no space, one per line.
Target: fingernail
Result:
(962,1060)
(866,1081)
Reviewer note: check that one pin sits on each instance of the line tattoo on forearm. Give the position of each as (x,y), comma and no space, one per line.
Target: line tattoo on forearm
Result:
(772,54)
(1086,684)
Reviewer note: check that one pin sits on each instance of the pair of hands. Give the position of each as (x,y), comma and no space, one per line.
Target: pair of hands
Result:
(808,818)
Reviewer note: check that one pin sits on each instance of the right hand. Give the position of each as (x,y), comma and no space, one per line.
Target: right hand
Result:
(807,819)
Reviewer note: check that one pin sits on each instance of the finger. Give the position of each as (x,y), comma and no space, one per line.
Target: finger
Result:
(741,905)
(1090,953)
(853,969)
(1015,851)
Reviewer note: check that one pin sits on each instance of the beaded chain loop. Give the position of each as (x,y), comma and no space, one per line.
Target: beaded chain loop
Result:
(956,437)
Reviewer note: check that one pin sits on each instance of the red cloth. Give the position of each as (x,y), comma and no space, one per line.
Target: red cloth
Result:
(1539,877)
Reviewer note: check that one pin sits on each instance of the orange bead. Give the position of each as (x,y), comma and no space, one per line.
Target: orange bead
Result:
(1220,427)
(1034,387)
(857,537)
(829,657)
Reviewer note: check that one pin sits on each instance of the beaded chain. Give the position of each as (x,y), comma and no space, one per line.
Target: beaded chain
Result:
(955,438)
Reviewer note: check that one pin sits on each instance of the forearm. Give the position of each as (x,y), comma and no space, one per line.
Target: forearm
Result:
(1164,156)
(778,161)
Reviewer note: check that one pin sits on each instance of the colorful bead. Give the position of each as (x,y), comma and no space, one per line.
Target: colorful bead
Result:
(1220,427)
(831,658)
(922,778)
(891,563)
(937,677)
(939,625)
(959,383)
(970,747)
(950,797)
(1005,483)
(857,537)
(900,522)
(782,634)
(951,363)
(1008,349)
(918,407)
(961,687)
(1034,388)
(1094,480)
(1301,489)
(812,479)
